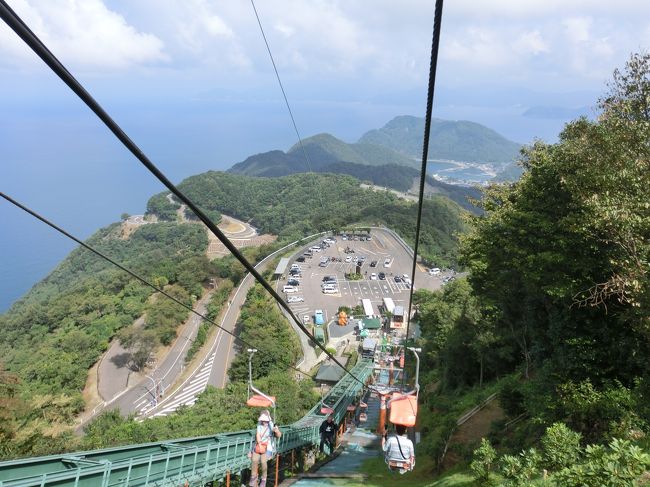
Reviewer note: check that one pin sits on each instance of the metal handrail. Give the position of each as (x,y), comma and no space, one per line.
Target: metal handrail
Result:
(194,461)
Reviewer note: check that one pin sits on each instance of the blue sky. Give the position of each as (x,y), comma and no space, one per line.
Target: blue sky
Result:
(191,82)
(356,58)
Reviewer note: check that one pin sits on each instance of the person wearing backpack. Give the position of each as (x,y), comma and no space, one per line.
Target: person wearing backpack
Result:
(327,432)
(263,447)
(399,453)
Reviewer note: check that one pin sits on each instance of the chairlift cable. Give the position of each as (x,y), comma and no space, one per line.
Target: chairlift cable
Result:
(286,101)
(22,30)
(435,44)
(139,278)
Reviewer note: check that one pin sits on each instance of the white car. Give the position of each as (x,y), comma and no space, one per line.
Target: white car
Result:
(295,299)
(373,276)
(348,259)
(405,277)
(306,319)
(434,271)
(330,290)
(289,289)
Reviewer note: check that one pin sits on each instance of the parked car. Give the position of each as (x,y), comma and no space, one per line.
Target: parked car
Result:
(289,289)
(398,279)
(348,259)
(300,259)
(373,263)
(382,276)
(329,279)
(306,319)
(330,290)
(434,271)
(318,317)
(373,276)
(293,282)
(295,299)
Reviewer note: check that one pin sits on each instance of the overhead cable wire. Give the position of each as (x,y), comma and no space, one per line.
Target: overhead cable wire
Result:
(141,279)
(286,101)
(433,65)
(23,31)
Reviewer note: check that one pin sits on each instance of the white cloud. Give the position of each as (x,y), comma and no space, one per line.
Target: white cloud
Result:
(531,42)
(82,33)
(577,28)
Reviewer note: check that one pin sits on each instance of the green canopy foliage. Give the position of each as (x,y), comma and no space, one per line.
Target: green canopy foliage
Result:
(558,292)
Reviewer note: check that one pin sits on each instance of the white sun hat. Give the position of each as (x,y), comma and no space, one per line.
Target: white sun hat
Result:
(264,417)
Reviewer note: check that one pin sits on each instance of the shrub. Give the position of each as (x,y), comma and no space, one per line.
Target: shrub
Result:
(483,462)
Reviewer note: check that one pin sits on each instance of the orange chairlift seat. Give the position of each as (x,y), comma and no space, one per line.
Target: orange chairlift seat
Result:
(404,406)
(403,411)
(324,409)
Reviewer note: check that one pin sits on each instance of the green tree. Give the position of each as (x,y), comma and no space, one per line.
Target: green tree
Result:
(484,459)
(560,447)
(140,344)
(620,464)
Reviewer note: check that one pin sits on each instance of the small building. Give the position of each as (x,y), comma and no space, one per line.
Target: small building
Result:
(281,268)
(367,308)
(398,318)
(330,373)
(368,348)
(371,324)
(319,334)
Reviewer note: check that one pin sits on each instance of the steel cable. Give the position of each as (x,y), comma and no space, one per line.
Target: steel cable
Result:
(23,31)
(139,278)
(433,65)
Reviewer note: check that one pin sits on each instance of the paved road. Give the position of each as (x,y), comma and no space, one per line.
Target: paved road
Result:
(114,371)
(165,373)
(213,369)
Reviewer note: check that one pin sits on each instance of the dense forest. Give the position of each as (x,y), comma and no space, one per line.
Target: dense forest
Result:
(68,319)
(301,204)
(555,313)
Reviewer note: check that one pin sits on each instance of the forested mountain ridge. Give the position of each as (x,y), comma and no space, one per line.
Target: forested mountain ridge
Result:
(400,178)
(452,140)
(297,205)
(322,150)
(398,143)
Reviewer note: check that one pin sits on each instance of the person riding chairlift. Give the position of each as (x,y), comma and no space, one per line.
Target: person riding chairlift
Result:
(399,453)
(263,447)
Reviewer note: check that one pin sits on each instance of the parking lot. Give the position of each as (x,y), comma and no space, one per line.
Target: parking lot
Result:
(382,246)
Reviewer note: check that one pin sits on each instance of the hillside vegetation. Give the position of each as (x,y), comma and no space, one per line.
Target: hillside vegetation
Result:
(301,204)
(52,336)
(556,306)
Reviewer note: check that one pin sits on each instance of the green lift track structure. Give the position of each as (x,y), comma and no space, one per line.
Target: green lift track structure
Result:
(183,462)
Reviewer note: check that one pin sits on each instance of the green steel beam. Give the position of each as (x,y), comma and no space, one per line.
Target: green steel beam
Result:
(194,461)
